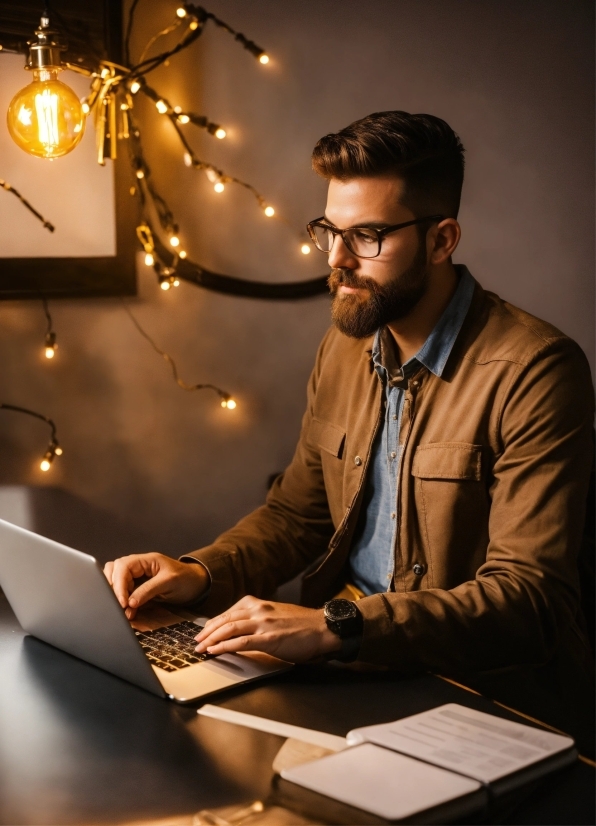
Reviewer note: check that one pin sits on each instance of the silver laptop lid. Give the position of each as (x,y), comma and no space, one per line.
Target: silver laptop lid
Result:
(61,596)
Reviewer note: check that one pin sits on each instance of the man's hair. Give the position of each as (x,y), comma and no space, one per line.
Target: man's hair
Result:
(423,150)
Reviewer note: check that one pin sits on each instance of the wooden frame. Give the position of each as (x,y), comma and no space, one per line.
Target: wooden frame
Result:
(90,276)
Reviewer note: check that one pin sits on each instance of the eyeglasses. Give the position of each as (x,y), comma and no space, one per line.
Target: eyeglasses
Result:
(363,242)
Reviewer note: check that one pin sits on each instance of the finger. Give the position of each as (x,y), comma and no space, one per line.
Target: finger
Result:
(107,571)
(217,622)
(124,572)
(226,632)
(236,645)
(154,587)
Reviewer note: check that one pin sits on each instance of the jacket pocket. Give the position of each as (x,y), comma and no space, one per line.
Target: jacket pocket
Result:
(448,460)
(329,437)
(451,510)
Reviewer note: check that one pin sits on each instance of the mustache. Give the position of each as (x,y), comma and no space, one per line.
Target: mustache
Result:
(348,278)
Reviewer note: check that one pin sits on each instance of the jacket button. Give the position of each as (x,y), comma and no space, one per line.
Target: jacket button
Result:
(418,569)
(357,461)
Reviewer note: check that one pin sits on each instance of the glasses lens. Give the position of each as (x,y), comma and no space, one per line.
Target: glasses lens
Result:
(362,242)
(323,237)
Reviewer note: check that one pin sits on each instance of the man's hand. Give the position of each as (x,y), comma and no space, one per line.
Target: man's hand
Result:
(166,578)
(290,632)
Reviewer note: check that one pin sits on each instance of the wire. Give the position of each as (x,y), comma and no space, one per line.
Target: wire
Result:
(54,448)
(156,37)
(221,393)
(46,310)
(9,188)
(131,13)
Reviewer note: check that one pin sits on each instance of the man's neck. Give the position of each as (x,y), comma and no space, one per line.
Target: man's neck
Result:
(411,332)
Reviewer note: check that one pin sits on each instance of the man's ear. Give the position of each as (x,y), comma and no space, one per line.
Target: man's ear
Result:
(442,240)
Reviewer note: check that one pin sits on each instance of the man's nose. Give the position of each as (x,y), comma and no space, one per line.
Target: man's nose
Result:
(340,256)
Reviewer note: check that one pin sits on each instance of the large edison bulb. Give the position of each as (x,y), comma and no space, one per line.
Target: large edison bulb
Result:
(46,117)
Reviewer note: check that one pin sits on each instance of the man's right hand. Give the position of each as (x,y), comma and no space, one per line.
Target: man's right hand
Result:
(163,577)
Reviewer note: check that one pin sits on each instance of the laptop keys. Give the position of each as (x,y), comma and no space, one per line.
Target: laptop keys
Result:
(172,647)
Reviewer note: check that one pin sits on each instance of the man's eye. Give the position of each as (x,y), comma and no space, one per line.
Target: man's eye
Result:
(365,236)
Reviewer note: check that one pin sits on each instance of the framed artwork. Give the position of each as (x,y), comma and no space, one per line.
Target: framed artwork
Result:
(91,251)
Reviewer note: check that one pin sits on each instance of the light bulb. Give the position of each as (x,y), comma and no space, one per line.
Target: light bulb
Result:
(45,465)
(149,259)
(165,285)
(175,283)
(140,174)
(264,59)
(187,159)
(193,25)
(305,249)
(181,12)
(219,187)
(85,107)
(183,119)
(269,211)
(161,106)
(182,254)
(134,87)
(58,451)
(174,241)
(50,352)
(46,117)
(220,133)
(230,404)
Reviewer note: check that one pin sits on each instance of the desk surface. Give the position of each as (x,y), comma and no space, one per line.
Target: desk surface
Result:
(79,746)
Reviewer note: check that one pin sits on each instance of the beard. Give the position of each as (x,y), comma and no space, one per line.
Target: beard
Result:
(360,317)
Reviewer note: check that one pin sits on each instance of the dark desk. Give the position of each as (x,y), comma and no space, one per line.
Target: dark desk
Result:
(78,746)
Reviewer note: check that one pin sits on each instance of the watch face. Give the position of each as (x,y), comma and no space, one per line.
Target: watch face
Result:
(340,609)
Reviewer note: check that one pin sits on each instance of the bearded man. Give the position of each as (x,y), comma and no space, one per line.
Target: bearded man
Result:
(436,497)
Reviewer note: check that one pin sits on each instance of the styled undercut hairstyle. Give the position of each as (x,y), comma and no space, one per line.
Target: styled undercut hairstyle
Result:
(423,150)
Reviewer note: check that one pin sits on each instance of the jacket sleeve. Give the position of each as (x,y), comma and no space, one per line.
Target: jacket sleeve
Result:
(525,595)
(281,538)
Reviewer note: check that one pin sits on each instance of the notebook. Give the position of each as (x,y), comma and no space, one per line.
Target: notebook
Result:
(433,767)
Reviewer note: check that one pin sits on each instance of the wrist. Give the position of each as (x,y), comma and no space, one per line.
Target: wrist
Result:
(199,579)
(330,642)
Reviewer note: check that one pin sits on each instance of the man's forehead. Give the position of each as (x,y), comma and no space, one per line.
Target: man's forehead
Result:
(369,200)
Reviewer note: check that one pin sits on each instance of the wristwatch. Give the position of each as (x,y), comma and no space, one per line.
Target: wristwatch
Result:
(344,619)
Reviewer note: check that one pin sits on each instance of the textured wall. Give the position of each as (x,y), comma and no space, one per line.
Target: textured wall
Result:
(513,79)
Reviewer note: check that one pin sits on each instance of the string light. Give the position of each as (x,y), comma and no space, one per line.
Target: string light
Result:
(183,118)
(149,259)
(182,254)
(181,12)
(226,399)
(134,87)
(220,133)
(50,345)
(9,188)
(269,211)
(161,107)
(174,240)
(305,249)
(85,107)
(264,59)
(219,187)
(54,448)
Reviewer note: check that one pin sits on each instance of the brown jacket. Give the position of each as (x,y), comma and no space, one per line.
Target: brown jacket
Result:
(493,480)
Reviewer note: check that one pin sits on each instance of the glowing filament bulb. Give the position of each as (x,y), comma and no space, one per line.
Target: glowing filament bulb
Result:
(269,211)
(181,12)
(134,87)
(264,59)
(50,352)
(165,285)
(140,174)
(220,133)
(305,249)
(175,241)
(161,106)
(175,283)
(45,465)
(219,187)
(58,451)
(183,119)
(193,25)
(229,403)
(149,259)
(182,254)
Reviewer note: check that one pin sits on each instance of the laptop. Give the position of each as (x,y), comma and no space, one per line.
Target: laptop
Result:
(61,596)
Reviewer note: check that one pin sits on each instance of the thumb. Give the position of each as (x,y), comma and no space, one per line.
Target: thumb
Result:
(148,590)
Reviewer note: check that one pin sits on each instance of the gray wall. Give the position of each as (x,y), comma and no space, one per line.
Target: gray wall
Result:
(514,79)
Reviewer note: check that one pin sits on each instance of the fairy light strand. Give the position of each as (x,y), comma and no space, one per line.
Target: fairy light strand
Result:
(50,335)
(9,188)
(54,448)
(226,399)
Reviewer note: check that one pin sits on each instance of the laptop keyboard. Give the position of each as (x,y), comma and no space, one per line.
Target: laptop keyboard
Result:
(172,647)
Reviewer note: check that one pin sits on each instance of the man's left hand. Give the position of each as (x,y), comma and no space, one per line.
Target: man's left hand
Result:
(290,632)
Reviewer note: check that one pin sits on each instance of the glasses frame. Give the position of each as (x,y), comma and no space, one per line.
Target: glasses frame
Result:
(380,233)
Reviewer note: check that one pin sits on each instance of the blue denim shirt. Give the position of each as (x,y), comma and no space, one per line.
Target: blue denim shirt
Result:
(371,558)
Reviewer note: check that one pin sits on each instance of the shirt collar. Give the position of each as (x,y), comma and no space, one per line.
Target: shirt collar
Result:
(437,348)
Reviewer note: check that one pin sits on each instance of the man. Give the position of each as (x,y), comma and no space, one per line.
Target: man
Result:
(441,473)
